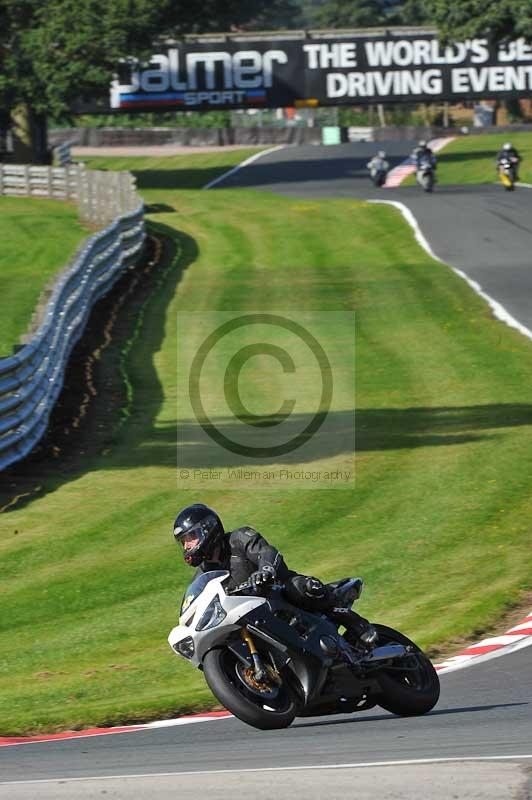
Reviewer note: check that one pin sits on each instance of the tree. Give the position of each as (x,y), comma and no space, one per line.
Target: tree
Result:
(498,20)
(55,52)
(354,14)
(371,13)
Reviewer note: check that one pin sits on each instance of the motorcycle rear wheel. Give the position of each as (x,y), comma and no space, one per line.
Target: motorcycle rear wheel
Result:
(225,677)
(412,691)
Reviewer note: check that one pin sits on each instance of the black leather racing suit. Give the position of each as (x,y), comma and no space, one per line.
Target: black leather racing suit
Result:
(244,551)
(421,153)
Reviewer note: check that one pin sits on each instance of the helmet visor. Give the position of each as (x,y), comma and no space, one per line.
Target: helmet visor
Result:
(192,539)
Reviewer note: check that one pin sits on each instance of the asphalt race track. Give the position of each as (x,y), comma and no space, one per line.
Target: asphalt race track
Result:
(484,711)
(482,230)
(477,742)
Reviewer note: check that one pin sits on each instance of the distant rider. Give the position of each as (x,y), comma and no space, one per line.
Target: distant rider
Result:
(508,151)
(424,153)
(249,557)
(378,167)
(377,163)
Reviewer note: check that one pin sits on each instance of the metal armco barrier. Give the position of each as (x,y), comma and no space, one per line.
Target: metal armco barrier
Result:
(31,380)
(101,196)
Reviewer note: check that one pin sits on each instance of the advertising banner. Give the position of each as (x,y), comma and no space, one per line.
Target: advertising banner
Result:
(356,69)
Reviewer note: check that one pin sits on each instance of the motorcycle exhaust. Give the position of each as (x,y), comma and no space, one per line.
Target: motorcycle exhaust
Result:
(384,653)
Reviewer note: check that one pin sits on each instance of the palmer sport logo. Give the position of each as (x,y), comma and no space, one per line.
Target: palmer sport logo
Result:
(192,79)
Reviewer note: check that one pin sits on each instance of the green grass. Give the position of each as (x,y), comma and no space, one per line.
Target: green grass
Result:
(38,238)
(187,171)
(439,520)
(471,159)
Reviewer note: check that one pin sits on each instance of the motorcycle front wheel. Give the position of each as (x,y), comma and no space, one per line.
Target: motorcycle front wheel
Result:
(410,687)
(266,706)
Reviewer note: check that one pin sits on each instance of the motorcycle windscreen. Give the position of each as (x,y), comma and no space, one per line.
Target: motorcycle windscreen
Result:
(198,585)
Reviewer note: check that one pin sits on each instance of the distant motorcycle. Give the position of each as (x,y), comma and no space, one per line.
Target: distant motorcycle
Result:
(268,661)
(507,172)
(425,174)
(378,171)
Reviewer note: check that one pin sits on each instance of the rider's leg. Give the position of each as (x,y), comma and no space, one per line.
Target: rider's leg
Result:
(360,626)
(313,595)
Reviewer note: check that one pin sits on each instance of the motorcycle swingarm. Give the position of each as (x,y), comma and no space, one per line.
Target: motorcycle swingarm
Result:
(343,681)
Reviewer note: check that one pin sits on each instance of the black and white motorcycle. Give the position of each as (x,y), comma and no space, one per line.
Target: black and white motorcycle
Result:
(268,662)
(425,174)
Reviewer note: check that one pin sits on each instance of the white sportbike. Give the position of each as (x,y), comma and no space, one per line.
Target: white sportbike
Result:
(268,661)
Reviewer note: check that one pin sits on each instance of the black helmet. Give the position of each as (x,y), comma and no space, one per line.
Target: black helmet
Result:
(198,529)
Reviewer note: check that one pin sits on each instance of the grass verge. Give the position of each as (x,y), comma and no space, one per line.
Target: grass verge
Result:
(438,522)
(38,238)
(187,171)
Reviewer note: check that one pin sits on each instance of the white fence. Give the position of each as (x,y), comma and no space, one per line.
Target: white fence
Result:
(101,196)
(31,380)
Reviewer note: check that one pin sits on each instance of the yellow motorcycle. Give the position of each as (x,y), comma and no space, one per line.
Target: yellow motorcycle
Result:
(507,168)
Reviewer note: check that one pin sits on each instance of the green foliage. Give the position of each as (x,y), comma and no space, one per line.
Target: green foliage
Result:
(54,53)
(371,13)
(499,20)
(404,114)
(161,119)
(232,15)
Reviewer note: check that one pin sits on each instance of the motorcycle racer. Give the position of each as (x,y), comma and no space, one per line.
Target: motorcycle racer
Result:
(424,152)
(508,152)
(378,165)
(246,554)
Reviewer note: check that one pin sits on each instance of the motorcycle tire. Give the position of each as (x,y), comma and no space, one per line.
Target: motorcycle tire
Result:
(220,667)
(410,692)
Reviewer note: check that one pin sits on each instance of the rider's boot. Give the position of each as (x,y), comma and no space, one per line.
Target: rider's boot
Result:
(361,627)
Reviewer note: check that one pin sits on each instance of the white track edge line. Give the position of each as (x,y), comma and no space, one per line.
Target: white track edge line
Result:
(245,163)
(298,768)
(499,312)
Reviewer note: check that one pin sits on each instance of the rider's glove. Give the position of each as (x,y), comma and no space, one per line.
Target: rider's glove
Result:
(262,577)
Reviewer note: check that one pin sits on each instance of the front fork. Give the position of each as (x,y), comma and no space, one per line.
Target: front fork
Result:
(258,667)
